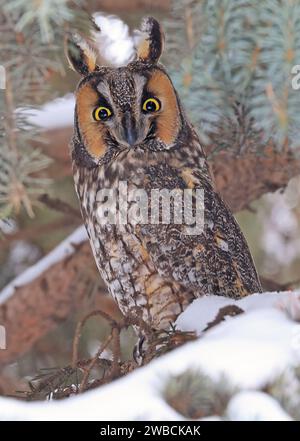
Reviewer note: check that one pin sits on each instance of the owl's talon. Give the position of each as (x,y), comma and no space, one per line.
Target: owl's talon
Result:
(139,350)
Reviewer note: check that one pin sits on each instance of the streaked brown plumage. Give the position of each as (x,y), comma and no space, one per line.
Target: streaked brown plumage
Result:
(154,270)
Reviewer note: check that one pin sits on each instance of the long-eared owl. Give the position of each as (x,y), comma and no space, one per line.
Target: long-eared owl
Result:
(131,133)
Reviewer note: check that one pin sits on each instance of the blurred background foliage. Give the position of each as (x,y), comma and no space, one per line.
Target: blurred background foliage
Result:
(235,76)
(231,62)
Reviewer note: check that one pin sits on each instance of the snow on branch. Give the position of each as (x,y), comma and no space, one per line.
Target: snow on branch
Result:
(48,292)
(64,249)
(249,350)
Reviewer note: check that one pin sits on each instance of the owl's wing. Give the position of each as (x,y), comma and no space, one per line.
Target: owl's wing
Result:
(216,261)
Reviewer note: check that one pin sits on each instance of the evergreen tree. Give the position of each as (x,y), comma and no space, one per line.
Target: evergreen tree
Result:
(236,71)
(31,51)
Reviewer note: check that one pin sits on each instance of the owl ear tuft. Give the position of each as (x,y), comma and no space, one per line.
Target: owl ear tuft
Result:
(150,41)
(80,55)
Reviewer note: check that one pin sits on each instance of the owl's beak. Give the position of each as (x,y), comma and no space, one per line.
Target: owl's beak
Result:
(129,129)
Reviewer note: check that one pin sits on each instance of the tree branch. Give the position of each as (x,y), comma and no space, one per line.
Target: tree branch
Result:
(39,306)
(243,179)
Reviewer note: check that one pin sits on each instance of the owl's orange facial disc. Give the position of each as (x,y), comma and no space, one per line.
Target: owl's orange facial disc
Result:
(92,131)
(167,121)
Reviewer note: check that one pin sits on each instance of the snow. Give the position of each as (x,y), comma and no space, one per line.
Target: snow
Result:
(250,349)
(114,41)
(255,406)
(196,317)
(63,250)
(8,226)
(52,115)
(291,304)
(280,237)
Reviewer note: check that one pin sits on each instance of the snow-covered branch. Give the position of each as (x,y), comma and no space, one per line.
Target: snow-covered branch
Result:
(46,294)
(249,350)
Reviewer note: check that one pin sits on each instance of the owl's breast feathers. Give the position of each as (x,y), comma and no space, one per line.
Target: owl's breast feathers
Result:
(158,268)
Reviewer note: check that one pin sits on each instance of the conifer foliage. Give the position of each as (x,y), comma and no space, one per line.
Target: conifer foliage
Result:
(236,79)
(31,51)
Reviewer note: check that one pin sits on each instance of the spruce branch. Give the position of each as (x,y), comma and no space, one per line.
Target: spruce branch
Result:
(48,15)
(32,34)
(286,389)
(195,395)
(235,77)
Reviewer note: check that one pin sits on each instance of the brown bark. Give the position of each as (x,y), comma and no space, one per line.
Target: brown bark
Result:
(243,179)
(38,307)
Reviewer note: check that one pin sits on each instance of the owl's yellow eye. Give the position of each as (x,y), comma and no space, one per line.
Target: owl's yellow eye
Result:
(151,105)
(102,113)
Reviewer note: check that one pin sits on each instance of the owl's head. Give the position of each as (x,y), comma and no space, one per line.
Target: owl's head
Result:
(130,107)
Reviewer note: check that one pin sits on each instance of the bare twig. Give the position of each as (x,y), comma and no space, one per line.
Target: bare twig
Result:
(59,205)
(93,362)
(80,326)
(116,351)
(39,306)
(34,231)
